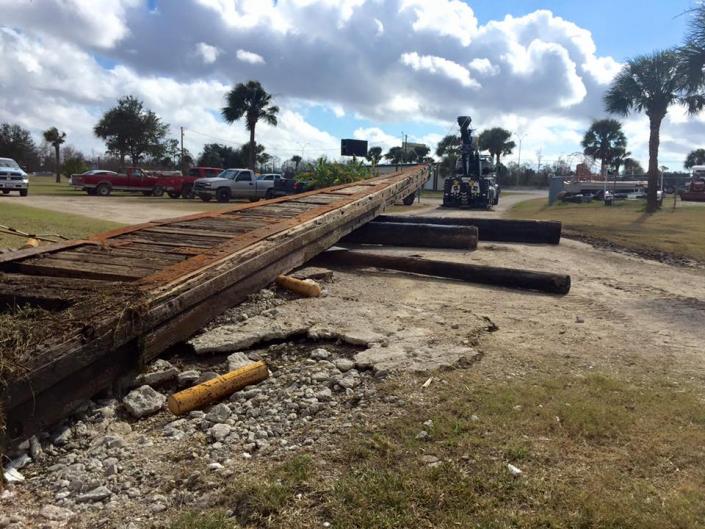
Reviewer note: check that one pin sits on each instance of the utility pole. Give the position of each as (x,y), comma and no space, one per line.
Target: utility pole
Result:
(183,165)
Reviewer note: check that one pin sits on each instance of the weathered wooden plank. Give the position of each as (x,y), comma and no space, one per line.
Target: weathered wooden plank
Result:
(113,260)
(188,232)
(64,268)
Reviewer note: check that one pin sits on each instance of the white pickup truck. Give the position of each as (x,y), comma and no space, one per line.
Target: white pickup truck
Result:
(12,177)
(233,183)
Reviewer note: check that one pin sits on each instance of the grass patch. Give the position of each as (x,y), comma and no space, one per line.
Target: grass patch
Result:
(595,451)
(37,221)
(680,232)
(207,520)
(46,185)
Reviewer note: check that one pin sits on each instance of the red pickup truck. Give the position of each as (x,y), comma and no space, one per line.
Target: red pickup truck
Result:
(182,186)
(101,182)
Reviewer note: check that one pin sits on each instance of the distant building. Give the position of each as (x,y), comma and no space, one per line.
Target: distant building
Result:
(583,172)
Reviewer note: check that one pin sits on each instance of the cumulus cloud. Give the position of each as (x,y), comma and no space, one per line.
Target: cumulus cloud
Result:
(208,53)
(440,66)
(249,57)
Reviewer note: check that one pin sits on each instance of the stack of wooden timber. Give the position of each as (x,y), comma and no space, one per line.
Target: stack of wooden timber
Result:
(119,299)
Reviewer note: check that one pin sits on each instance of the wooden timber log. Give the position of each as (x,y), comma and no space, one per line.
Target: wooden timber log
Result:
(307,289)
(217,388)
(415,235)
(498,230)
(471,273)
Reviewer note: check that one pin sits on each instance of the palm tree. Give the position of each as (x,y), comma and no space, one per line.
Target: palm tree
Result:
(297,160)
(374,155)
(448,150)
(56,138)
(692,53)
(633,167)
(604,141)
(650,84)
(496,141)
(251,101)
(696,157)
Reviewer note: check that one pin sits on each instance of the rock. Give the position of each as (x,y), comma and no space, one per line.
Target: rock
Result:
(55,513)
(62,436)
(324,395)
(578,319)
(428,424)
(20,462)
(423,435)
(215,466)
(160,372)
(110,466)
(97,494)
(188,378)
(112,441)
(429,460)
(35,448)
(344,364)
(319,354)
(218,413)
(206,376)
(238,360)
(348,382)
(474,418)
(143,401)
(219,432)
(314,273)
(514,471)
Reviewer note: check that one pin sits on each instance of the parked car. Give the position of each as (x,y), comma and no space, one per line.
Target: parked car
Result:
(233,183)
(269,177)
(102,183)
(13,177)
(290,186)
(182,186)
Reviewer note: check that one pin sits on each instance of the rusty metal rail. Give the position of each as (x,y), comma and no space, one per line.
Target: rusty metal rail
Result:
(128,294)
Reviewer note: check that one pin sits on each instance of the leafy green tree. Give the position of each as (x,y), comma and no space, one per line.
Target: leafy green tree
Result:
(395,155)
(73,164)
(604,141)
(217,155)
(129,128)
(297,160)
(54,137)
(374,155)
(17,143)
(421,152)
(633,167)
(696,157)
(251,101)
(651,84)
(497,142)
(448,150)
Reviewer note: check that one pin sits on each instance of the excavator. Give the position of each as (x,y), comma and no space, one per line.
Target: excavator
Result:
(474,183)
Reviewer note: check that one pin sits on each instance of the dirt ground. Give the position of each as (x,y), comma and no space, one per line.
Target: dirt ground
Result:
(623,315)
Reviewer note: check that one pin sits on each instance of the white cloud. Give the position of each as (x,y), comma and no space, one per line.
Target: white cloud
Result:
(249,57)
(449,18)
(439,65)
(483,66)
(208,53)
(99,23)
